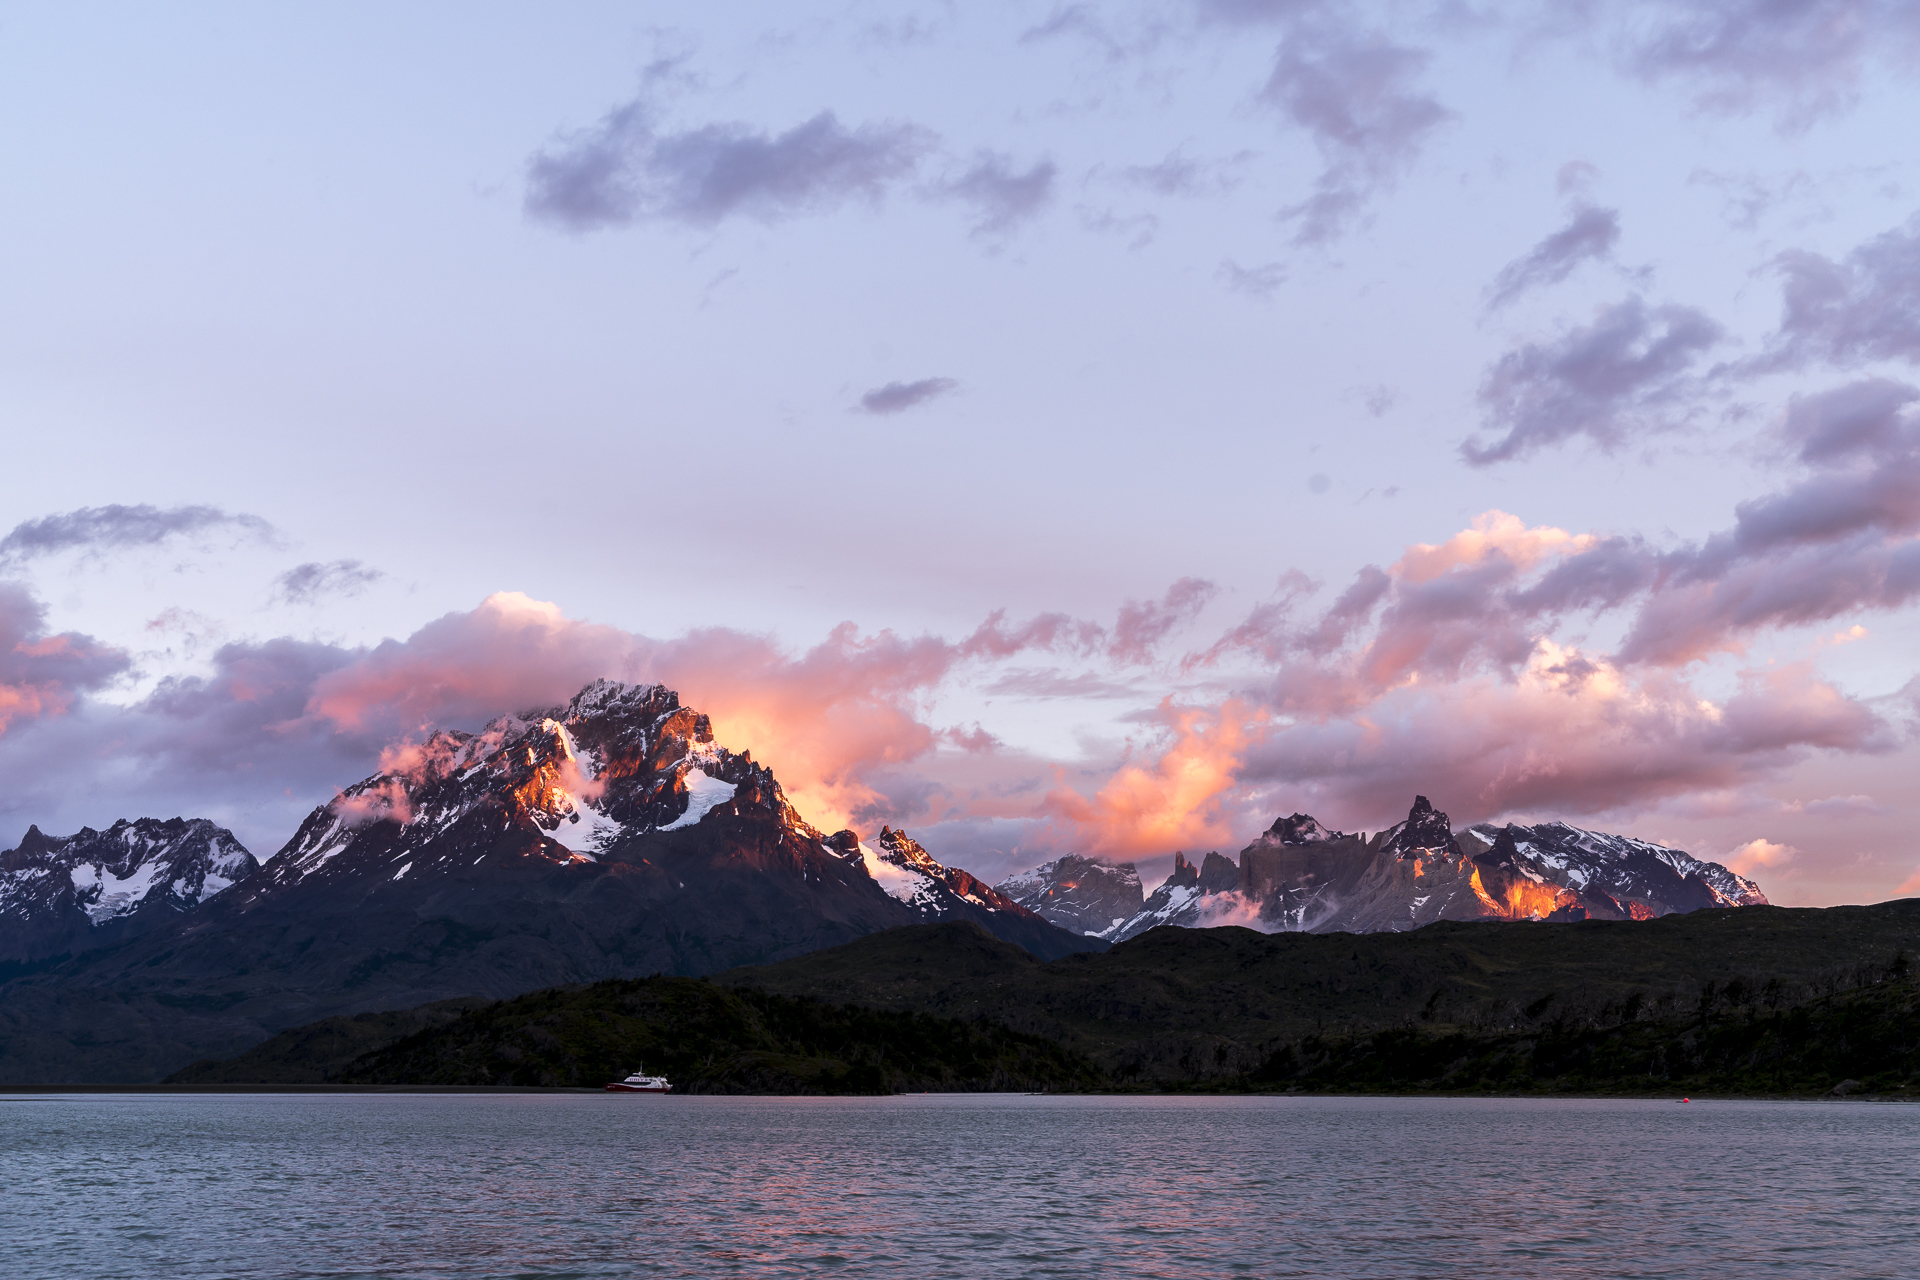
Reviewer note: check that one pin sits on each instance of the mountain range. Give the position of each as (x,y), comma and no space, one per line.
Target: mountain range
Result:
(608,838)
(613,838)
(1301,877)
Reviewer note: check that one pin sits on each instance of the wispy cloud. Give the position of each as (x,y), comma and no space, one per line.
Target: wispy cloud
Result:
(1589,236)
(118,527)
(1852,311)
(1800,59)
(898,397)
(313,581)
(628,169)
(1359,96)
(1629,371)
(1260,282)
(1002,194)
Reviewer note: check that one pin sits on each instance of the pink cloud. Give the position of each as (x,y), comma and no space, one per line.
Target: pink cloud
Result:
(42,675)
(1176,800)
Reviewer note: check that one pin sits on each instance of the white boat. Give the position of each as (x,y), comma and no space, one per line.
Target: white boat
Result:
(639,1082)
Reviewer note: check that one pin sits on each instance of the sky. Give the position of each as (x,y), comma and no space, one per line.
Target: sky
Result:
(1099,428)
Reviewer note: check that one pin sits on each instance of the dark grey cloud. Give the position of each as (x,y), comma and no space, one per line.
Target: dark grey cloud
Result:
(897,397)
(1801,59)
(625,170)
(313,581)
(1589,236)
(118,527)
(1862,308)
(1001,194)
(1358,96)
(1629,371)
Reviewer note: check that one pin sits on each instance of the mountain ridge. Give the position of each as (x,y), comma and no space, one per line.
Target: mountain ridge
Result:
(611,837)
(1301,876)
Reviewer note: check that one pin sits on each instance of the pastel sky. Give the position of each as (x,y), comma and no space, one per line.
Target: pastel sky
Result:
(1045,427)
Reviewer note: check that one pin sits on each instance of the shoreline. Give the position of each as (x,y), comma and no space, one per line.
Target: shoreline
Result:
(25,1092)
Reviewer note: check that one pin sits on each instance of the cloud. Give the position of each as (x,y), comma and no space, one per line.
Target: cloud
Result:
(897,397)
(1867,418)
(626,169)
(1842,538)
(1444,671)
(1804,59)
(1358,96)
(1178,800)
(1256,282)
(1755,856)
(1181,175)
(1627,372)
(311,582)
(1588,237)
(41,675)
(1566,734)
(1256,12)
(1850,312)
(116,527)
(1002,195)
(1143,624)
(276,726)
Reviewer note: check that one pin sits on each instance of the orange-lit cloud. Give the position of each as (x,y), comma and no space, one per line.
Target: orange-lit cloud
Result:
(1758,856)
(1175,801)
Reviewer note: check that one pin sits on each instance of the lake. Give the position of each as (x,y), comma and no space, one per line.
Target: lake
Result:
(574,1185)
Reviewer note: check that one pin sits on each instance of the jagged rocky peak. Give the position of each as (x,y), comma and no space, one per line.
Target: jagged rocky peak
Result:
(903,850)
(1078,893)
(1214,875)
(138,866)
(618,759)
(1299,828)
(1219,874)
(907,872)
(1427,831)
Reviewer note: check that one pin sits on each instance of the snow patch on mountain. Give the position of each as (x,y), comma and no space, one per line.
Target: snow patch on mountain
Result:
(704,793)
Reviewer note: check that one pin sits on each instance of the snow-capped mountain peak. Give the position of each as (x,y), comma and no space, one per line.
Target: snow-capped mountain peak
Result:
(1078,893)
(1426,831)
(1660,878)
(80,887)
(899,864)
(1299,828)
(617,760)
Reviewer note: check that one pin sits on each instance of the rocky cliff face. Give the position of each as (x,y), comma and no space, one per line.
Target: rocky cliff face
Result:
(1083,895)
(1191,898)
(1310,880)
(1657,878)
(60,895)
(1301,876)
(610,837)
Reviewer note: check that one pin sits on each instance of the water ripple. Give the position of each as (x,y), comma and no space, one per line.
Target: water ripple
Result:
(424,1187)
